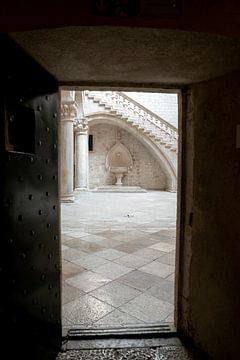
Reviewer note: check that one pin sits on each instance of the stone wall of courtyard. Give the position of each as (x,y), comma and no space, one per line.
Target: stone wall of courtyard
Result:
(164,105)
(146,171)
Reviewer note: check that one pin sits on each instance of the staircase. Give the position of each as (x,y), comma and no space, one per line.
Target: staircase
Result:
(137,115)
(159,131)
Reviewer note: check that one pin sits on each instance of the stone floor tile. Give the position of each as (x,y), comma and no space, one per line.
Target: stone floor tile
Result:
(172,352)
(158,269)
(153,221)
(129,235)
(66,323)
(76,233)
(88,281)
(118,318)
(64,247)
(148,308)
(128,247)
(165,234)
(161,246)
(163,291)
(110,243)
(145,241)
(71,254)
(148,253)
(166,239)
(93,238)
(70,269)
(115,293)
(85,246)
(109,233)
(90,262)
(171,277)
(112,270)
(168,258)
(65,238)
(132,261)
(110,254)
(85,310)
(169,232)
(150,229)
(139,280)
(170,318)
(70,293)
(97,231)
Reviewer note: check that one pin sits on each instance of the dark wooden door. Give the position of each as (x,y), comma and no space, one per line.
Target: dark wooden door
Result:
(30,251)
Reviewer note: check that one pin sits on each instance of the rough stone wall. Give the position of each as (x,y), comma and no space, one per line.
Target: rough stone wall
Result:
(163,104)
(213,299)
(146,171)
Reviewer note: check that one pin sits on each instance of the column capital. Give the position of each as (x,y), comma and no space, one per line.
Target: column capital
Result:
(81,126)
(68,111)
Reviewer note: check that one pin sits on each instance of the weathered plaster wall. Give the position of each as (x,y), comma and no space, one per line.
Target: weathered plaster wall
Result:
(212,318)
(146,171)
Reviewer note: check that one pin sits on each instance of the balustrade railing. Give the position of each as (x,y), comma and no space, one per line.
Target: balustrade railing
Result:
(138,115)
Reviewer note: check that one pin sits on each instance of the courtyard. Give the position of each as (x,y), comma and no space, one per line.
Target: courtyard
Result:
(118,259)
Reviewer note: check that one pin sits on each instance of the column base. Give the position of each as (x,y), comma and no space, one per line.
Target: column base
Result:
(67,198)
(80,189)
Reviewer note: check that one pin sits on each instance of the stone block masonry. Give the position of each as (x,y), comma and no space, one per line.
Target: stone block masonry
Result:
(146,171)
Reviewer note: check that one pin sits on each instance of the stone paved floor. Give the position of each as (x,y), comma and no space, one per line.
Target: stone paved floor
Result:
(118,256)
(159,353)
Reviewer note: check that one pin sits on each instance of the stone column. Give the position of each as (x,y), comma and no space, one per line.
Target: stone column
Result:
(81,155)
(68,116)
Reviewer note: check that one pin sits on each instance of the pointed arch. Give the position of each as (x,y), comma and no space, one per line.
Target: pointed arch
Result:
(156,151)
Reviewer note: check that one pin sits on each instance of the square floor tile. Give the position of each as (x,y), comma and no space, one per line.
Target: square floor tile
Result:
(110,254)
(129,235)
(97,230)
(171,277)
(132,261)
(70,269)
(66,324)
(109,233)
(148,253)
(144,241)
(71,254)
(112,270)
(65,238)
(150,229)
(139,280)
(85,246)
(158,269)
(162,246)
(88,281)
(168,258)
(90,262)
(115,293)
(111,243)
(85,310)
(129,248)
(76,233)
(118,318)
(165,236)
(93,238)
(169,319)
(148,308)
(163,291)
(70,293)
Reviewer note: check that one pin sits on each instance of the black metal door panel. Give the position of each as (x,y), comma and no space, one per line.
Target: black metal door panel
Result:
(30,253)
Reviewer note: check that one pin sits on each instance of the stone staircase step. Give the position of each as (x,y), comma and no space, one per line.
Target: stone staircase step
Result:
(154,130)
